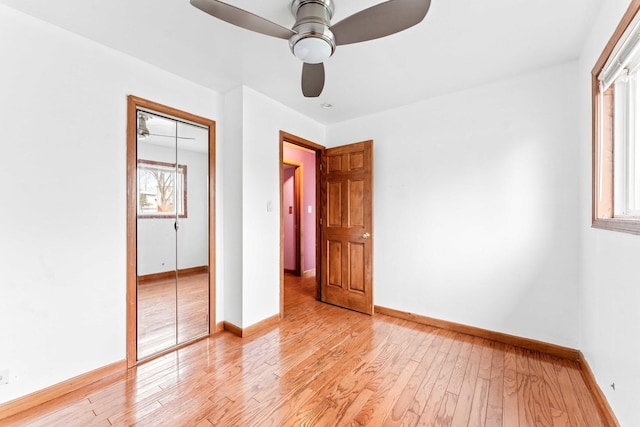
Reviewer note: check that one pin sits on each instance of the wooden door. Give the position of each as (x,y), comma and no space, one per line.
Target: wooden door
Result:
(347,227)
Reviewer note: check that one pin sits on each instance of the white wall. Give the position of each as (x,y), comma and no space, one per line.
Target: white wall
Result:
(475,205)
(252,184)
(263,121)
(610,274)
(63,260)
(231,196)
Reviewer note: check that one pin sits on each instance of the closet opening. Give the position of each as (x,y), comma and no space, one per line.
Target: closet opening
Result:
(170,229)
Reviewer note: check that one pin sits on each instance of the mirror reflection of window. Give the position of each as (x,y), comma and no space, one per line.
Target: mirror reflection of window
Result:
(162,189)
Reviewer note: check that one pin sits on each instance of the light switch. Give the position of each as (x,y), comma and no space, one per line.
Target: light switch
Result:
(269,206)
(309,209)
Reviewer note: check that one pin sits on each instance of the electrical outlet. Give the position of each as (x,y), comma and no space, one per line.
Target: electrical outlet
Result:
(4,376)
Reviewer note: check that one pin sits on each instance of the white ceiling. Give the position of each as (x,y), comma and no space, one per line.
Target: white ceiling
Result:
(460,44)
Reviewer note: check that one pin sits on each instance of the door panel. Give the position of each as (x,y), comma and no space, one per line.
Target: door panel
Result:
(192,234)
(356,204)
(356,161)
(334,264)
(156,236)
(170,251)
(356,268)
(334,204)
(347,227)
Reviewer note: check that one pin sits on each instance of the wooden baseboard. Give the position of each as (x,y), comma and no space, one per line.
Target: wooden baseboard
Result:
(531,344)
(309,273)
(601,401)
(253,329)
(165,275)
(219,327)
(230,327)
(106,373)
(261,326)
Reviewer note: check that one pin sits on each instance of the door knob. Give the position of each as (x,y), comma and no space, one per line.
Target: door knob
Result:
(366,235)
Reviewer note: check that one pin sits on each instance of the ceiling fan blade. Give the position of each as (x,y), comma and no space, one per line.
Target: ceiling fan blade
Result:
(312,79)
(171,136)
(242,18)
(380,20)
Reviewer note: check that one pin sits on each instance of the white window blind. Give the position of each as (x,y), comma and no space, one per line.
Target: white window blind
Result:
(625,57)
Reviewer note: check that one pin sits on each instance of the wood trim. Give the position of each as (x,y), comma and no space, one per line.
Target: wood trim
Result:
(213,326)
(321,167)
(602,152)
(601,401)
(267,323)
(297,201)
(309,273)
(172,273)
(219,327)
(299,186)
(230,327)
(132,231)
(595,142)
(318,149)
(111,372)
(305,143)
(531,344)
(628,16)
(631,226)
(173,349)
(281,182)
(133,103)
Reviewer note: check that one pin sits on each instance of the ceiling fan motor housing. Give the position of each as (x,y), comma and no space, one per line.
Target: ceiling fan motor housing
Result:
(313,42)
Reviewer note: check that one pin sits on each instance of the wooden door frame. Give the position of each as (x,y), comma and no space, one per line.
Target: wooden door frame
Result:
(298,217)
(133,103)
(319,150)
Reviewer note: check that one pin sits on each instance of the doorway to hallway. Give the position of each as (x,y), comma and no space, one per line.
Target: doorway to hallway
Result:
(299,220)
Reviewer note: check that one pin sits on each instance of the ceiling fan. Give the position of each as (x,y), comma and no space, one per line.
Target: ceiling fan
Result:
(313,39)
(143,130)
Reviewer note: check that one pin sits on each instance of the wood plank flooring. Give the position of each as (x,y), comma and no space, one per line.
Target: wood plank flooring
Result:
(326,366)
(172,313)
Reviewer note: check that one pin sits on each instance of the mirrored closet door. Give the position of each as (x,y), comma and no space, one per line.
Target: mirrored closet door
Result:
(173,229)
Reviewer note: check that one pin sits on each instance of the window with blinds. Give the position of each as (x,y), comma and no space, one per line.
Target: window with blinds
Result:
(616,129)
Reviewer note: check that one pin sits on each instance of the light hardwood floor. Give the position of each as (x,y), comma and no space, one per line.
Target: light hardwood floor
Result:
(326,366)
(162,305)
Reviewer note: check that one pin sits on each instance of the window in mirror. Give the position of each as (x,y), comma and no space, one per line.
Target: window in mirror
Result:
(162,189)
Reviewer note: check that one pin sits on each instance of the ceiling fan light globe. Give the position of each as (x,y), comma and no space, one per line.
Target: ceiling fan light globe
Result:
(312,50)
